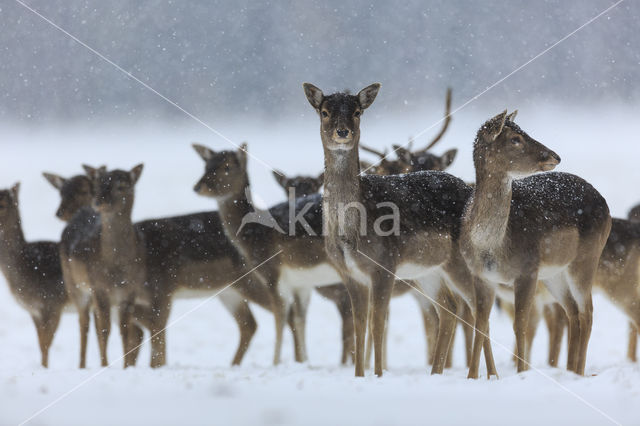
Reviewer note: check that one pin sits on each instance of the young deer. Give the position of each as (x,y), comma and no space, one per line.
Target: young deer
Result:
(425,248)
(301,264)
(185,255)
(116,271)
(550,227)
(32,271)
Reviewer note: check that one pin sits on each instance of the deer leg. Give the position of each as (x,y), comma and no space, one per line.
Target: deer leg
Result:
(160,317)
(347,331)
(125,311)
(385,341)
(548,315)
(532,328)
(633,342)
(485,296)
(367,358)
(280,310)
(102,315)
(467,328)
(298,317)
(524,295)
(586,323)
(446,313)
(83,320)
(235,304)
(382,285)
(430,322)
(557,326)
(359,295)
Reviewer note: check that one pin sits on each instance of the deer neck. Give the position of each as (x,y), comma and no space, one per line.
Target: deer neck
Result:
(341,187)
(117,237)
(490,209)
(12,243)
(234,207)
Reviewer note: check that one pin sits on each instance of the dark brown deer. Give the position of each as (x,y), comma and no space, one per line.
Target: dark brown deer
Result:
(32,271)
(186,256)
(305,185)
(550,227)
(425,248)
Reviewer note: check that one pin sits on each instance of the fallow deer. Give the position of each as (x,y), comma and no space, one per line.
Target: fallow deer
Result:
(76,249)
(305,185)
(116,270)
(32,271)
(413,161)
(425,248)
(550,227)
(185,256)
(301,264)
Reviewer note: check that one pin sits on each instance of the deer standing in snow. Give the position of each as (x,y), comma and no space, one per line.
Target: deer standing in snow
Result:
(32,271)
(549,227)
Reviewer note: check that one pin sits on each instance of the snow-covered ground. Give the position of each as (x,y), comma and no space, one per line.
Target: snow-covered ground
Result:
(199,387)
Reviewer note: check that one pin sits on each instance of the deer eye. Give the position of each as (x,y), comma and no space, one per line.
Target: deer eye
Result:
(357,114)
(515,141)
(325,114)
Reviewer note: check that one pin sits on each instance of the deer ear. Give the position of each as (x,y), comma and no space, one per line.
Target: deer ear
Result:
(203,151)
(497,124)
(242,153)
(55,180)
(512,117)
(448,157)
(14,191)
(280,178)
(93,173)
(314,95)
(402,153)
(367,95)
(136,172)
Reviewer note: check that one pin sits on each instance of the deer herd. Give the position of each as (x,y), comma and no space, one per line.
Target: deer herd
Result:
(532,243)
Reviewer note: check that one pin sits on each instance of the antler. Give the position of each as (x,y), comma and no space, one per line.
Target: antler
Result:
(447,120)
(373,151)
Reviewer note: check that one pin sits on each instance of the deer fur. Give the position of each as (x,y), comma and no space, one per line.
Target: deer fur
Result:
(32,271)
(301,264)
(186,254)
(550,227)
(430,206)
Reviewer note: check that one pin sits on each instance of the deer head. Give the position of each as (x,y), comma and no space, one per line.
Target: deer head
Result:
(424,160)
(75,193)
(9,214)
(225,172)
(340,115)
(302,185)
(502,146)
(114,190)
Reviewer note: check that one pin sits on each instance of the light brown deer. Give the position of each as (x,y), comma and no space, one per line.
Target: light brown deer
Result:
(116,272)
(186,256)
(293,231)
(425,248)
(32,271)
(550,227)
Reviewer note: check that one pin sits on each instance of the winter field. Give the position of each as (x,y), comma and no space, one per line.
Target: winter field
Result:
(199,387)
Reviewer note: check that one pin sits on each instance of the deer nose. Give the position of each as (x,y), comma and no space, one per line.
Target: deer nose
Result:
(551,157)
(60,213)
(343,133)
(196,187)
